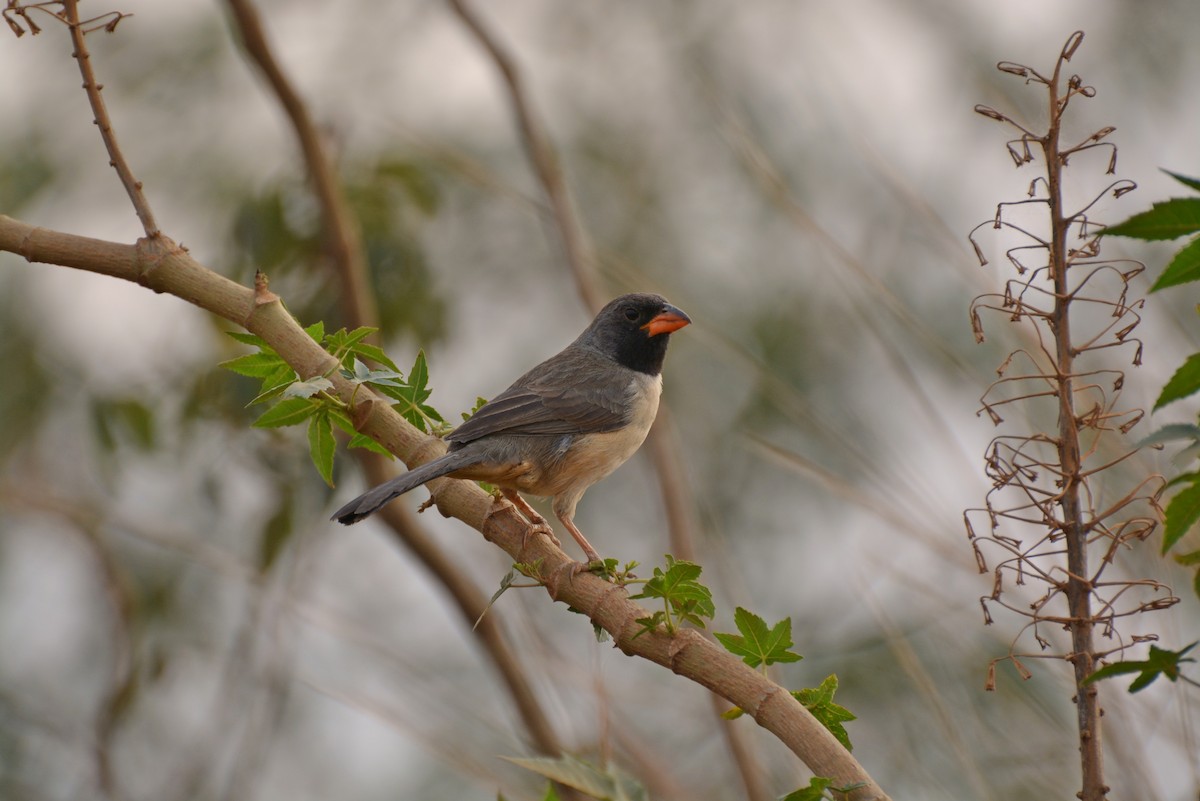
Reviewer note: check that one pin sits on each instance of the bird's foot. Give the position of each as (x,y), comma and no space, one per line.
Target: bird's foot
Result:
(539,526)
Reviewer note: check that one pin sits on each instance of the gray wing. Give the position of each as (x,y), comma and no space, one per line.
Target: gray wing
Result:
(575,392)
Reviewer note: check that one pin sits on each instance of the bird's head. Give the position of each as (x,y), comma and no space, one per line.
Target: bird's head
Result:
(634,329)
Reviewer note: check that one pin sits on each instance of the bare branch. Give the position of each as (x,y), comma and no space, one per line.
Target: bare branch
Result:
(544,159)
(100,111)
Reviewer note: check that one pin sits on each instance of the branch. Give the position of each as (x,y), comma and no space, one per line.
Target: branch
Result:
(117,159)
(161,265)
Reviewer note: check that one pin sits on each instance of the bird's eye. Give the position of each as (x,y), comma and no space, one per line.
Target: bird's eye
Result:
(631,314)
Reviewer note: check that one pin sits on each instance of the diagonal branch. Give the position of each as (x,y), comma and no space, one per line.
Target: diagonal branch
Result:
(162,266)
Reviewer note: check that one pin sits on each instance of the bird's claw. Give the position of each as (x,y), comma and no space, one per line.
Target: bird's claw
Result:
(539,527)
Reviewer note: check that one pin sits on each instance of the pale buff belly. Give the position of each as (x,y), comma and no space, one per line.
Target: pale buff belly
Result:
(566,466)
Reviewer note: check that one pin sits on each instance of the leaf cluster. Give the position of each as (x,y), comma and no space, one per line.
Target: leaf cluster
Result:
(820,788)
(295,400)
(684,598)
(1171,219)
(609,783)
(1160,662)
(757,644)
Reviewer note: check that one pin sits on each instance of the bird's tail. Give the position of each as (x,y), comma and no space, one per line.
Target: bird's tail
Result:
(373,499)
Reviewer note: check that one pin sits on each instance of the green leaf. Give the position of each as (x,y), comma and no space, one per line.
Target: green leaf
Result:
(1168,219)
(1160,662)
(306,389)
(819,701)
(758,645)
(363,441)
(607,783)
(1186,381)
(505,583)
(287,413)
(276,533)
(343,340)
(380,378)
(1194,183)
(1183,268)
(1184,478)
(418,377)
(479,404)
(375,354)
(1190,559)
(249,339)
(321,444)
(357,440)
(346,345)
(815,791)
(412,396)
(678,586)
(126,420)
(255,365)
(274,385)
(1169,433)
(651,623)
(316,331)
(1182,513)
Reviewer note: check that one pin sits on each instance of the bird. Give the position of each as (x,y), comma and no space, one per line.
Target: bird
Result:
(562,426)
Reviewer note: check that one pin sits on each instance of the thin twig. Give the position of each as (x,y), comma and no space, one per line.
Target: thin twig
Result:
(544,159)
(100,111)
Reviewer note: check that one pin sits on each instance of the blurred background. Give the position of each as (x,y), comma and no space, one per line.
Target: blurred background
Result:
(178,620)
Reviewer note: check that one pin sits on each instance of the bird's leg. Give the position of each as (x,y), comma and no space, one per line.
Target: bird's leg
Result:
(588,550)
(536,521)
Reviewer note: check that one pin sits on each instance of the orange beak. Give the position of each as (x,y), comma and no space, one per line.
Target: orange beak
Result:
(668,320)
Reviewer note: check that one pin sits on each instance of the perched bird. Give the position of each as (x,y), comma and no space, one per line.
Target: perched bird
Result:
(562,426)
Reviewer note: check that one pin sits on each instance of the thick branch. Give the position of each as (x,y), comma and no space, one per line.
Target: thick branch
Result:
(686,653)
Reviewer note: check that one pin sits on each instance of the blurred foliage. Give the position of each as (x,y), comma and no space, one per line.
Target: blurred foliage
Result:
(25,175)
(278,232)
(23,402)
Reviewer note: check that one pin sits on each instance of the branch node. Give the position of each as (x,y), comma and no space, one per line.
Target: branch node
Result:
(263,295)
